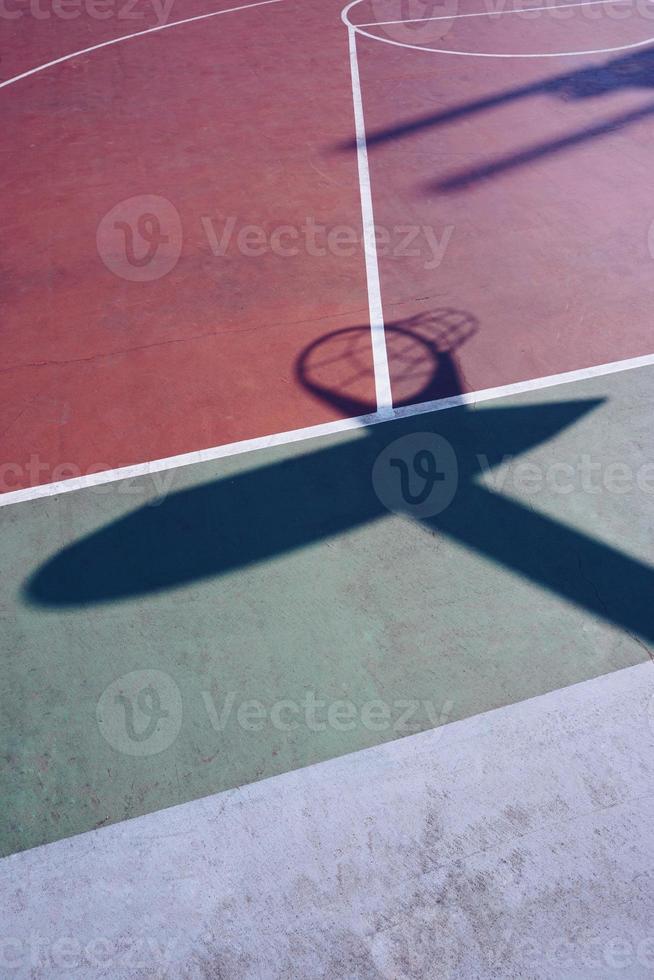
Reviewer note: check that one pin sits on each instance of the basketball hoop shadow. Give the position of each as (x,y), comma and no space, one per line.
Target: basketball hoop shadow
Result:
(336,368)
(277,506)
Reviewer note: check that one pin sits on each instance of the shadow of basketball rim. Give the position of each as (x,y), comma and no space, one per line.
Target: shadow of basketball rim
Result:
(276,508)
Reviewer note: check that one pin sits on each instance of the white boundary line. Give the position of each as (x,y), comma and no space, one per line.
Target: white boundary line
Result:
(326,428)
(491,13)
(494,54)
(378,337)
(128,37)
(487,54)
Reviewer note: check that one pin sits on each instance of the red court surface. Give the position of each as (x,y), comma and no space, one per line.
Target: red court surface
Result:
(539,171)
(101,371)
(182,235)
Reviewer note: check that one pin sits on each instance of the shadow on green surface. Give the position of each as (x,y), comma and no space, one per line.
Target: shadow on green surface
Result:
(271,510)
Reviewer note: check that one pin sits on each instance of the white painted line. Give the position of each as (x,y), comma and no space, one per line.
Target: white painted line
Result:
(324,429)
(379,353)
(495,54)
(492,13)
(486,54)
(128,37)
(521,387)
(187,459)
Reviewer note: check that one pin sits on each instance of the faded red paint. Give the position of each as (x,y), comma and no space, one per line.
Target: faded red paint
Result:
(249,117)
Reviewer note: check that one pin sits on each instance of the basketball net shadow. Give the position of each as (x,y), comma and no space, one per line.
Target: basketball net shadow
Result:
(421,353)
(294,500)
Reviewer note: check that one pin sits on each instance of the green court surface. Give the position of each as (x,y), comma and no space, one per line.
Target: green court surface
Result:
(266,611)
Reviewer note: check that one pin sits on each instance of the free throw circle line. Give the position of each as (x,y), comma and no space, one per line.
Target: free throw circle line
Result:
(485,54)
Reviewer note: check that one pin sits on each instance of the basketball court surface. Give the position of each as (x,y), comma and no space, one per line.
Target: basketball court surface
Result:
(326,489)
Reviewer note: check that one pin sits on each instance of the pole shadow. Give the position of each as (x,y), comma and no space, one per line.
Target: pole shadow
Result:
(628,72)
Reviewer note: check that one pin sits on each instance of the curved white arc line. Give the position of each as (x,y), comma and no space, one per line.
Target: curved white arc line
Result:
(493,54)
(345,11)
(483,54)
(492,13)
(128,37)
